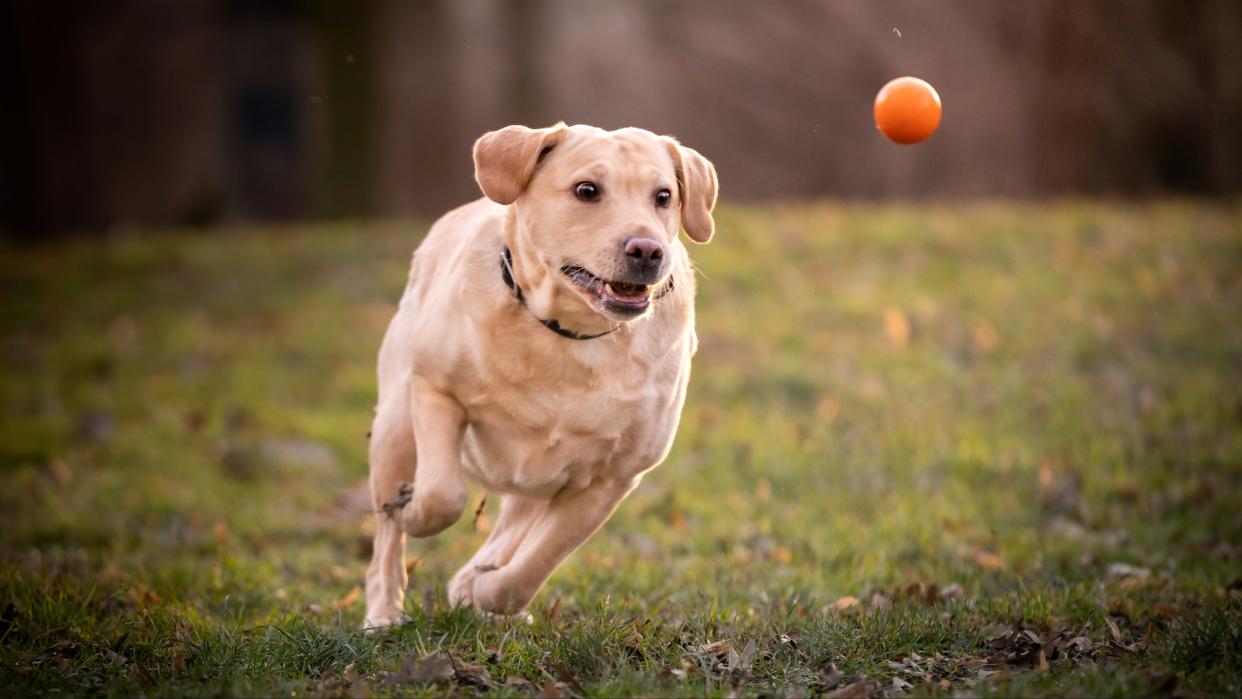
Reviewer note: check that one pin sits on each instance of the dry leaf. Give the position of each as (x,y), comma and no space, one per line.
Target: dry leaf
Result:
(828,409)
(480,523)
(986,559)
(675,672)
(563,674)
(985,336)
(829,678)
(476,675)
(350,597)
(845,602)
(436,667)
(747,657)
(951,591)
(143,672)
(1113,631)
(357,686)
(878,601)
(715,649)
(854,690)
(763,490)
(896,326)
(552,690)
(1125,571)
(678,522)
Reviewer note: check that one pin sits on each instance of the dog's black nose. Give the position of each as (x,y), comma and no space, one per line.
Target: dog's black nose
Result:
(645,255)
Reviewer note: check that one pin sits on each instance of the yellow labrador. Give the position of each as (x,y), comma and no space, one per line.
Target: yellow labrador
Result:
(542,348)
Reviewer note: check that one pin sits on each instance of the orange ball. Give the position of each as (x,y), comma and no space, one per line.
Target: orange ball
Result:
(907,110)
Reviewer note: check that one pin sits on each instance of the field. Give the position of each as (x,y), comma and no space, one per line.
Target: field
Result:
(984,448)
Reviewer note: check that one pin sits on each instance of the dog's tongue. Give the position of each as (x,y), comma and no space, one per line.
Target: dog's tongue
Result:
(630,293)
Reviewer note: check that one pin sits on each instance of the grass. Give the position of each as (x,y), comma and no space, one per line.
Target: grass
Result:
(912,433)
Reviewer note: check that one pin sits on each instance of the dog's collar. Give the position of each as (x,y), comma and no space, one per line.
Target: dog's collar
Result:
(506,273)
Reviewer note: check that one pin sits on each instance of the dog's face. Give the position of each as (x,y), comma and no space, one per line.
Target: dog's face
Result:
(600,210)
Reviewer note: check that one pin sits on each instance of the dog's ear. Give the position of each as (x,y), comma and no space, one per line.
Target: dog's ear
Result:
(696,176)
(504,160)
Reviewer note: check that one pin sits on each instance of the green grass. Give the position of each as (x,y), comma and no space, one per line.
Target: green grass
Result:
(1001,400)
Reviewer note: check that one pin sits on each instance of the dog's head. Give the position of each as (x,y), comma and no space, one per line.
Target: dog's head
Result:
(599,211)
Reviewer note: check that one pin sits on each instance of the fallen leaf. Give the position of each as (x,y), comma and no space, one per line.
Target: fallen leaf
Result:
(741,662)
(985,336)
(357,686)
(845,602)
(516,681)
(715,649)
(1161,681)
(436,667)
(475,675)
(829,678)
(896,326)
(763,490)
(853,690)
(143,672)
(479,516)
(349,598)
(564,675)
(951,591)
(1113,631)
(1125,571)
(405,492)
(678,522)
(986,559)
(828,409)
(675,672)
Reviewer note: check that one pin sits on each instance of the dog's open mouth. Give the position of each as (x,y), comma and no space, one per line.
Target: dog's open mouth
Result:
(621,298)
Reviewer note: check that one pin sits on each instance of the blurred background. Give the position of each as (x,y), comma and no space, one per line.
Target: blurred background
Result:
(945,395)
(145,113)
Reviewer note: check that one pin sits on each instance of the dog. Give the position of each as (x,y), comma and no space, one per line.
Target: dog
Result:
(541,348)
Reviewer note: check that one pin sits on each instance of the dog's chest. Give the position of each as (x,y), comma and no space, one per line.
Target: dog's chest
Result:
(541,433)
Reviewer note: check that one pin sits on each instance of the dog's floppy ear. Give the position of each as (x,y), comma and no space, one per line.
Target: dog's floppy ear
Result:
(696,176)
(504,160)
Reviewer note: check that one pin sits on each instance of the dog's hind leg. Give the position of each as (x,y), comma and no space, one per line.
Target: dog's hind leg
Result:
(393,457)
(566,521)
(517,514)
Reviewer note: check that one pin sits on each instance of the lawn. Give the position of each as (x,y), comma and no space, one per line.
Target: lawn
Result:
(983,448)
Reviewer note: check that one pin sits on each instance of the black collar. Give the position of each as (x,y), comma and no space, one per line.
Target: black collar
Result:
(506,273)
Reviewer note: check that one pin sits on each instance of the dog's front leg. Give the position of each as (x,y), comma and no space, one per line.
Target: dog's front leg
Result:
(432,503)
(570,519)
(439,495)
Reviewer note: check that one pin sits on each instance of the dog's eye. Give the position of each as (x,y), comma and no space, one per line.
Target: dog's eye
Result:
(586,191)
(663,198)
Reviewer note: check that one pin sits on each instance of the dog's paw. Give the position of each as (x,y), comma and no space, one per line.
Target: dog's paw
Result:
(380,622)
(461,585)
(494,592)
